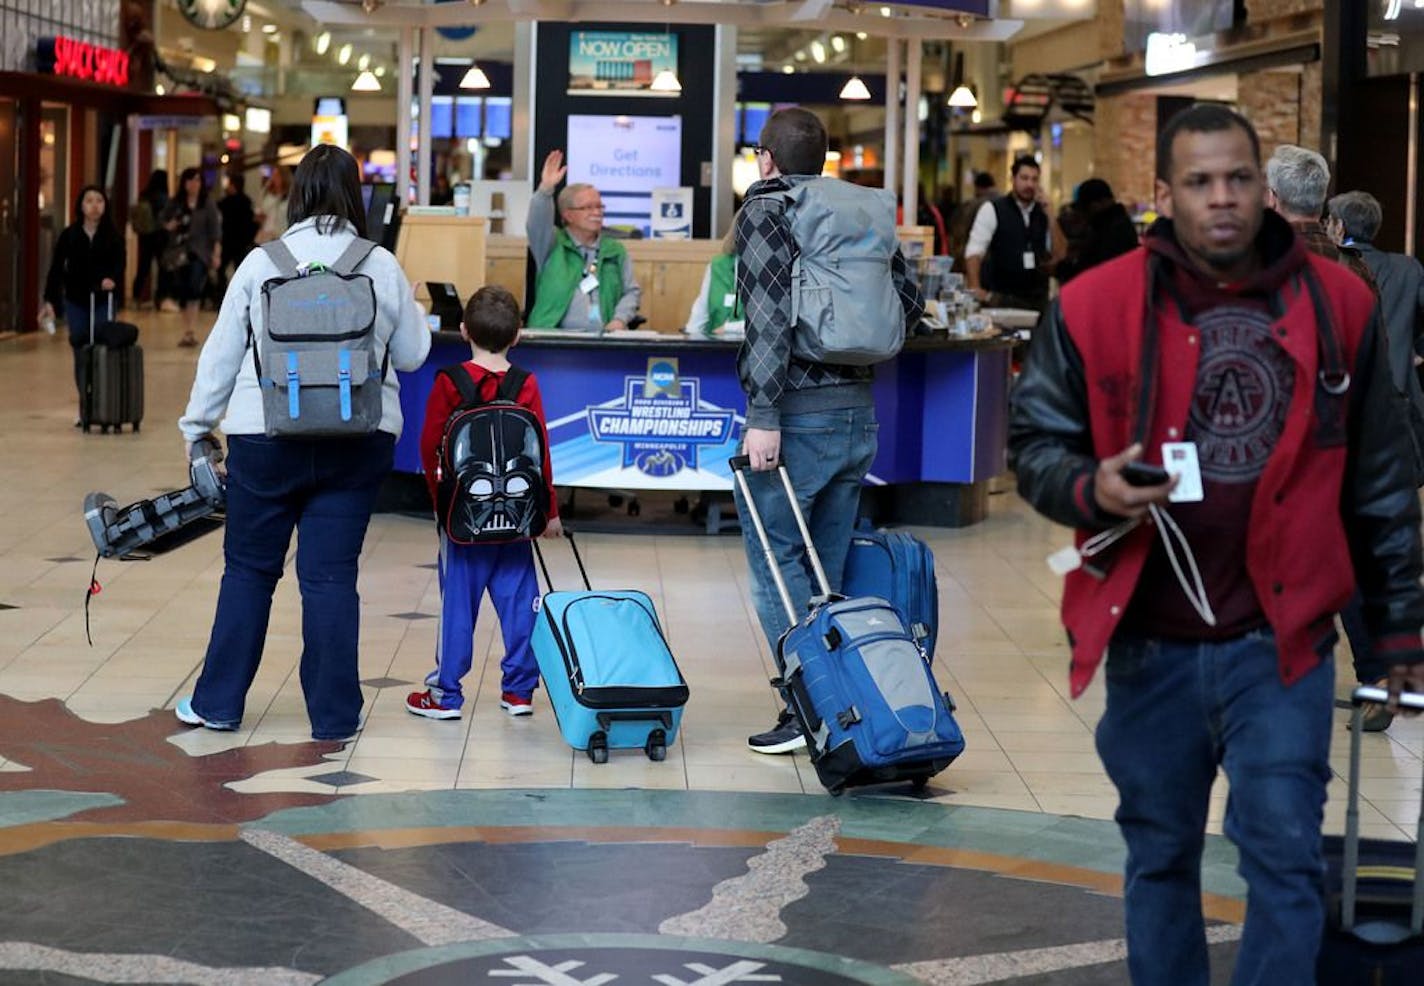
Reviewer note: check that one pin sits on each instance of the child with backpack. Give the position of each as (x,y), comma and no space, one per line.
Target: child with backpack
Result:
(485,452)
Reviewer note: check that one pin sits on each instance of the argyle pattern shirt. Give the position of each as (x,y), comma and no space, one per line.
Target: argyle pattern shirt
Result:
(765,254)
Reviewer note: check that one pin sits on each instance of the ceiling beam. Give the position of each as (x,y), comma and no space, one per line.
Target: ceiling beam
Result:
(910,26)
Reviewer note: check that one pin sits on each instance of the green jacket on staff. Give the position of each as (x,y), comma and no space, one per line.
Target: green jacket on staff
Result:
(562,272)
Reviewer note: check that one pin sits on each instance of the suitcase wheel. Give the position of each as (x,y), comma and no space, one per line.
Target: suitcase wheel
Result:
(598,747)
(656,747)
(919,783)
(135,427)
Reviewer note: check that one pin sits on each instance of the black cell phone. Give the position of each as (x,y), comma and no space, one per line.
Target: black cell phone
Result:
(1142,474)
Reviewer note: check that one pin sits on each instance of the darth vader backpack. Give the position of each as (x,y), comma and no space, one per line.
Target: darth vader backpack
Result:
(489,481)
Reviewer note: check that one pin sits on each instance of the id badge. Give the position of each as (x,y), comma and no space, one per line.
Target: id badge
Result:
(589,284)
(729,301)
(1180,459)
(1029,260)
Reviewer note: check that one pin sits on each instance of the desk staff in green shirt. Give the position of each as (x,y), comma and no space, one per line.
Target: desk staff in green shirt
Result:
(585,279)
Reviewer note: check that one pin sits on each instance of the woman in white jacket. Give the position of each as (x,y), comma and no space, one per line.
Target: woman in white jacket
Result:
(323,488)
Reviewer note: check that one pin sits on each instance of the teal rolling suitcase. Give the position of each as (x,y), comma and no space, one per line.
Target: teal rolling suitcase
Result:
(607,668)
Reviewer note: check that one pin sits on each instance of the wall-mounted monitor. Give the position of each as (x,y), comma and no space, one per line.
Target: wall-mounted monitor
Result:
(1189,18)
(625,158)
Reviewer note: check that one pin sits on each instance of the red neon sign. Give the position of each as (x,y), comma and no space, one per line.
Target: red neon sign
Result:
(82,60)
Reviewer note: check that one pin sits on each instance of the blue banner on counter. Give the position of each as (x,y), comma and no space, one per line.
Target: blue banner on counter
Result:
(669,415)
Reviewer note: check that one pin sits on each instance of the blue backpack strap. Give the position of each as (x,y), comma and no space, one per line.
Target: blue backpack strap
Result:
(280,255)
(343,382)
(294,388)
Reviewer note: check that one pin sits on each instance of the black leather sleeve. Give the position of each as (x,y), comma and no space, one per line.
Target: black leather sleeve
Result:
(1380,507)
(1050,440)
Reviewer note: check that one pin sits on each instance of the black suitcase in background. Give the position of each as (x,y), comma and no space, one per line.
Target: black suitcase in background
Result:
(110,378)
(1374,893)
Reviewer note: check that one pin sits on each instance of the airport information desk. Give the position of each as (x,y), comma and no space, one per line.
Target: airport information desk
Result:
(654,411)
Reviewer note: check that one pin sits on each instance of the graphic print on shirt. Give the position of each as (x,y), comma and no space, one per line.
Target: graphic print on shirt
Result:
(1243,391)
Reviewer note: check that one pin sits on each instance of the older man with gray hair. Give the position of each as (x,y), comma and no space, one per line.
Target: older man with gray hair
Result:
(585,278)
(1297,179)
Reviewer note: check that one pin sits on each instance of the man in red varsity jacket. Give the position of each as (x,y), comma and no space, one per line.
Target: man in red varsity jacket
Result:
(1221,331)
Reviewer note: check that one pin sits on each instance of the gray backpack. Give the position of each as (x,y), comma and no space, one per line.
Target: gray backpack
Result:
(316,357)
(844,303)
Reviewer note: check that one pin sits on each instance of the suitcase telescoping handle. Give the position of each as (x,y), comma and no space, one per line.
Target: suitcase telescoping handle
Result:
(569,536)
(740,465)
(1350,870)
(92,296)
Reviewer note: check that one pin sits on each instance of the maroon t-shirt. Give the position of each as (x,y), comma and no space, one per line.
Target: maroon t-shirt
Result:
(1243,392)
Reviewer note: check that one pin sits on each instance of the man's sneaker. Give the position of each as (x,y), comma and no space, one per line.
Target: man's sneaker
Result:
(784,737)
(424,704)
(184,711)
(517,705)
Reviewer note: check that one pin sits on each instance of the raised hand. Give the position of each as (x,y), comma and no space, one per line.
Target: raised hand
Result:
(554,171)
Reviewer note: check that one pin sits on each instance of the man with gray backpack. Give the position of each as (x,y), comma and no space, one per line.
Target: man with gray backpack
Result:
(827,294)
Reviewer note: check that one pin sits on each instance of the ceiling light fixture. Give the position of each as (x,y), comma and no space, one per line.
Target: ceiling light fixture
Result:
(854,89)
(364,62)
(323,42)
(838,44)
(343,55)
(366,82)
(818,52)
(380,71)
(475,78)
(963,98)
(665,81)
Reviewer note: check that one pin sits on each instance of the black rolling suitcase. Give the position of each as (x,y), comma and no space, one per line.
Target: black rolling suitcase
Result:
(111,374)
(1374,892)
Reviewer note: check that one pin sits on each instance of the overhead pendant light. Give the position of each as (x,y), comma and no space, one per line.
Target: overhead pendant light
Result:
(666,81)
(963,98)
(475,78)
(855,89)
(366,82)
(343,54)
(323,42)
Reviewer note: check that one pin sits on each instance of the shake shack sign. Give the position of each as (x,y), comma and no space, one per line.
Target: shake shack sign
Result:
(81,60)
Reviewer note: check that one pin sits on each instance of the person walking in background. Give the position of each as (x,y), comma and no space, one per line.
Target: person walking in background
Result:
(323,488)
(85,273)
(1296,182)
(1354,221)
(1107,230)
(1224,334)
(194,250)
(152,237)
(467,571)
(272,206)
(961,221)
(239,224)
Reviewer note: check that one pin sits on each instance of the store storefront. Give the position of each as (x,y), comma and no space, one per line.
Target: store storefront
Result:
(67,93)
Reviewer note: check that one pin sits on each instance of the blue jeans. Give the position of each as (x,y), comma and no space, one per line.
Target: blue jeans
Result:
(827,454)
(325,490)
(467,572)
(76,321)
(1175,711)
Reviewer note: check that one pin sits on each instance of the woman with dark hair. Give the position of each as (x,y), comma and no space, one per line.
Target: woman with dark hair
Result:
(152,237)
(194,249)
(323,488)
(88,261)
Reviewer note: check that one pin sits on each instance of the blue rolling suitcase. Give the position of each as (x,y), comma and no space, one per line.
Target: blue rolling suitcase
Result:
(610,676)
(857,679)
(899,567)
(1374,890)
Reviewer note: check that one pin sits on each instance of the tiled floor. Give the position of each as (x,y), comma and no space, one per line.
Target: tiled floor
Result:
(1001,650)
(478,844)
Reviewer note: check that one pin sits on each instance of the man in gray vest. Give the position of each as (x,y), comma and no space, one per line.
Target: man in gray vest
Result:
(1353,222)
(816,416)
(1010,244)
